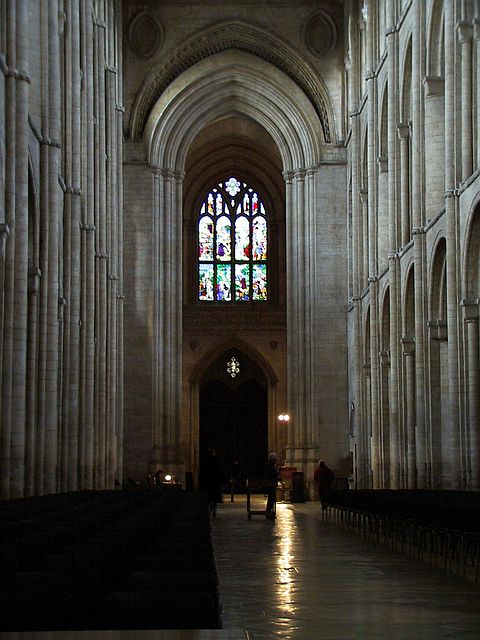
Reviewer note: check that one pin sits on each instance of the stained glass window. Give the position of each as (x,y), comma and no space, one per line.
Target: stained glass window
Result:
(232,234)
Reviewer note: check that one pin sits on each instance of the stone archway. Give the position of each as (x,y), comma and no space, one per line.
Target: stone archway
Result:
(239,84)
(216,395)
(233,417)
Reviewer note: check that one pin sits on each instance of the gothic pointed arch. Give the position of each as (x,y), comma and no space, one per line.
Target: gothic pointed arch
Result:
(233,343)
(472,253)
(238,36)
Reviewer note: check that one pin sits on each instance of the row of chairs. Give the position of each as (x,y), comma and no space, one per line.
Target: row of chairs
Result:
(110,560)
(438,527)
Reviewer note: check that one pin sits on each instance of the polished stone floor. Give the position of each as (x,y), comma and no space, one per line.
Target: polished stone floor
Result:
(300,578)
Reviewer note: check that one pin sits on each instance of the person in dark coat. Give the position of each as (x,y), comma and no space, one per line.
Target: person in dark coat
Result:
(210,479)
(271,474)
(323,481)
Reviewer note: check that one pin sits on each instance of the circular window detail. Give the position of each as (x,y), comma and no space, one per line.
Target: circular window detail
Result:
(320,34)
(145,34)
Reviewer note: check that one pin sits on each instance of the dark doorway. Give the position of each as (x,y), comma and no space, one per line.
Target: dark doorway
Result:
(234,420)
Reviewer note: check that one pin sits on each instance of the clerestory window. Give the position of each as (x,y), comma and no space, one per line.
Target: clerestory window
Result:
(232,235)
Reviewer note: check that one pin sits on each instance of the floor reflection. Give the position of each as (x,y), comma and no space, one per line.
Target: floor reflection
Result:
(298,578)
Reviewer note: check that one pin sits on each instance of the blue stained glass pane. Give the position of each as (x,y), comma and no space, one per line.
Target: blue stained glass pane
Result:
(242,239)
(205,282)
(259,238)
(224,282)
(259,282)
(224,241)
(205,239)
(242,282)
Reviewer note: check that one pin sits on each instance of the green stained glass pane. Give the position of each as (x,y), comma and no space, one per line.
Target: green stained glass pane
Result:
(224,282)
(242,282)
(232,186)
(259,282)
(205,282)
(205,239)
(224,248)
(242,239)
(259,238)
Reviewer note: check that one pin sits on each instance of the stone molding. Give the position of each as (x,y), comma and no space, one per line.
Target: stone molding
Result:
(438,330)
(434,86)
(470,309)
(320,34)
(267,318)
(139,26)
(222,37)
(408,345)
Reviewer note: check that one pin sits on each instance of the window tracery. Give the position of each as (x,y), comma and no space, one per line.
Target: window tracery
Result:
(232,237)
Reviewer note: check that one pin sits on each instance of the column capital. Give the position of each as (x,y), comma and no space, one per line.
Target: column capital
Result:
(464,31)
(403,130)
(434,86)
(476,28)
(438,330)
(382,162)
(470,309)
(418,231)
(384,357)
(408,345)
(300,174)
(4,230)
(288,176)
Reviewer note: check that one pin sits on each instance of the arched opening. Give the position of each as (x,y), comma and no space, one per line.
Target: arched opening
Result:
(233,415)
(409,416)
(385,390)
(438,366)
(471,335)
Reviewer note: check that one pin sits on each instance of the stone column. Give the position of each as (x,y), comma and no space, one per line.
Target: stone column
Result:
(167,321)
(393,259)
(452,475)
(52,133)
(88,242)
(465,32)
(408,345)
(16,256)
(471,314)
(302,450)
(476,114)
(404,134)
(103,258)
(366,462)
(363,196)
(417,209)
(310,318)
(291,306)
(384,437)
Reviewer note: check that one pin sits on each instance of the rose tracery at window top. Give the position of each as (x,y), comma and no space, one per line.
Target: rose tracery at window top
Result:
(232,245)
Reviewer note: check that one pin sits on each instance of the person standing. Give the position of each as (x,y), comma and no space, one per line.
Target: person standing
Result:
(323,481)
(210,480)
(271,474)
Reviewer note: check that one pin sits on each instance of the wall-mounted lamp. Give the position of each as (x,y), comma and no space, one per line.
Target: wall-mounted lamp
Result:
(284,417)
